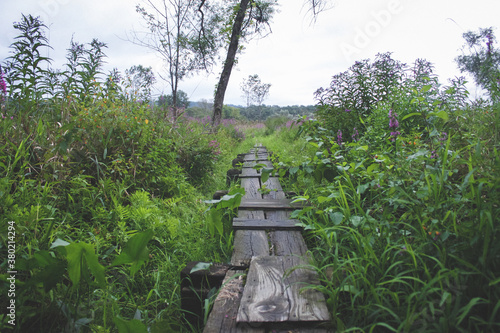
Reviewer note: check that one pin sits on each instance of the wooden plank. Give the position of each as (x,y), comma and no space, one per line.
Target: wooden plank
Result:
(258,157)
(306,304)
(273,183)
(251,186)
(252,224)
(247,244)
(272,293)
(222,319)
(251,164)
(269,204)
(249,172)
(287,243)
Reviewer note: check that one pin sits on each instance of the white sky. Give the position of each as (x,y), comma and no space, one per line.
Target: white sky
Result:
(297,58)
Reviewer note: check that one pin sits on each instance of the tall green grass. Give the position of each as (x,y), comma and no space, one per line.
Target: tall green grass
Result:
(106,193)
(403,232)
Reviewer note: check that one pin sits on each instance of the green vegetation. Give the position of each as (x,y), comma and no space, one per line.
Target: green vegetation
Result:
(404,191)
(102,193)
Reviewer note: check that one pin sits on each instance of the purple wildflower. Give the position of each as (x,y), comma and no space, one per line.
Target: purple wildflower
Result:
(443,137)
(3,85)
(339,137)
(347,110)
(393,123)
(355,136)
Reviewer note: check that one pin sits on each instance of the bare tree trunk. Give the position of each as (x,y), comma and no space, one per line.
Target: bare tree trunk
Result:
(228,64)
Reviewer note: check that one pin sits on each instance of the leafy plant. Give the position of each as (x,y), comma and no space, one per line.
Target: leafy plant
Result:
(223,209)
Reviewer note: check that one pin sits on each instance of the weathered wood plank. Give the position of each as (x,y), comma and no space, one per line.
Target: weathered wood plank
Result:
(272,293)
(273,183)
(252,224)
(249,243)
(249,172)
(269,204)
(308,304)
(287,243)
(251,186)
(254,157)
(251,164)
(222,319)
(264,297)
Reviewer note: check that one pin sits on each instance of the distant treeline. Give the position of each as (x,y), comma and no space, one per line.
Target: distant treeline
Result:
(253,112)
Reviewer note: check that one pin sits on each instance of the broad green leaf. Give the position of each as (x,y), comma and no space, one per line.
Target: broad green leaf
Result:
(259,166)
(294,170)
(411,115)
(282,172)
(337,217)
(135,251)
(211,202)
(323,199)
(81,256)
(362,188)
(265,173)
(59,242)
(300,198)
(372,168)
(356,220)
(426,88)
(442,114)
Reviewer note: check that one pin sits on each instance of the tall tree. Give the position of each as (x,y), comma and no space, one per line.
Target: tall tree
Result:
(228,64)
(184,33)
(249,14)
(255,91)
(483,60)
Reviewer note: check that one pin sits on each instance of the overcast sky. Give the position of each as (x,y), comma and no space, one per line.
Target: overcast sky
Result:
(296,59)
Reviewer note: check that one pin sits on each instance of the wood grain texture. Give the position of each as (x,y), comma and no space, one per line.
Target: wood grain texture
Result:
(251,186)
(264,204)
(272,293)
(273,183)
(285,243)
(249,243)
(249,172)
(253,224)
(222,319)
(254,157)
(251,164)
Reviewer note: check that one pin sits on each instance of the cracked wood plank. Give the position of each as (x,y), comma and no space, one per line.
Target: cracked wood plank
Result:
(222,319)
(272,293)
(252,224)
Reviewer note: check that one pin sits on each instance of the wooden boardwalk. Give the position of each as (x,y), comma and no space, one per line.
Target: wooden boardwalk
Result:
(264,294)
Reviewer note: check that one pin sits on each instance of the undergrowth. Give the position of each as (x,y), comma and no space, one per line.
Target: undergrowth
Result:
(402,217)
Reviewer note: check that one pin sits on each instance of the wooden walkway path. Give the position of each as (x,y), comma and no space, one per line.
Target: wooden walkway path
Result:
(267,297)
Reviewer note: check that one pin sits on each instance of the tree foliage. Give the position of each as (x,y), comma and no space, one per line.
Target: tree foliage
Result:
(482,60)
(185,33)
(254,91)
